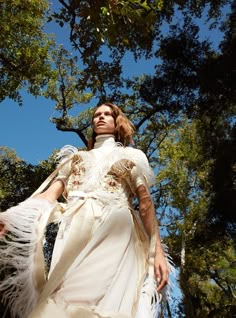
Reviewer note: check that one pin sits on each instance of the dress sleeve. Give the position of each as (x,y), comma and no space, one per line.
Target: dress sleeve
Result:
(142,173)
(63,173)
(64,165)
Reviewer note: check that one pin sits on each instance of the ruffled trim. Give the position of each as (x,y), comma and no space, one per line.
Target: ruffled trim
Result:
(17,255)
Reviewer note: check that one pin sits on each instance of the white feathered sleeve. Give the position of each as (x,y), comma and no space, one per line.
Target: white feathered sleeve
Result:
(141,173)
(64,165)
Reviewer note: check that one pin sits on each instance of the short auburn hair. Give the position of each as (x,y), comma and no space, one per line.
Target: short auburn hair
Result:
(124,129)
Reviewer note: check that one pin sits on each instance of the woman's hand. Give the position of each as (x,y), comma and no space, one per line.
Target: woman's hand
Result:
(2,230)
(161,270)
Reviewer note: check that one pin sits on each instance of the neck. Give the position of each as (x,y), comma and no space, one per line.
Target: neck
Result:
(104,140)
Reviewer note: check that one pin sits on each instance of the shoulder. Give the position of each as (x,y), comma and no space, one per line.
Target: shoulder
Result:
(136,153)
(66,152)
(142,167)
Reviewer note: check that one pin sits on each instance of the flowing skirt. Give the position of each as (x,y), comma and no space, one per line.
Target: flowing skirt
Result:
(104,279)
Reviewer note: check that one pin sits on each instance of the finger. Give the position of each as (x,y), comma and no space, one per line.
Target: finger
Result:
(164,281)
(158,275)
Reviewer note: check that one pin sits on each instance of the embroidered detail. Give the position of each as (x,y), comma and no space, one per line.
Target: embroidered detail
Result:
(77,172)
(119,171)
(111,183)
(121,168)
(77,158)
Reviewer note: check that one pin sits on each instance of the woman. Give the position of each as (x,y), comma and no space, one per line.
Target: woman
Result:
(106,258)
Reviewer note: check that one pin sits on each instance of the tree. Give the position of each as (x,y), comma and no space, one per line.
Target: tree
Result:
(102,32)
(205,256)
(18,179)
(65,91)
(199,82)
(24,48)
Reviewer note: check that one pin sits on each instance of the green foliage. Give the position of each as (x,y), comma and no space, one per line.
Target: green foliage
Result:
(64,90)
(205,255)
(102,22)
(189,80)
(210,277)
(24,48)
(18,179)
(102,32)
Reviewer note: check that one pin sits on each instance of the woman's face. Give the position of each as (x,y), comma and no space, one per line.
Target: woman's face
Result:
(103,121)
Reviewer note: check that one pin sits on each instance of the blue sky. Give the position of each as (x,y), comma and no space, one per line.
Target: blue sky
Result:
(28,129)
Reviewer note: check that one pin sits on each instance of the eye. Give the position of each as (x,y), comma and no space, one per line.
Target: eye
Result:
(96,115)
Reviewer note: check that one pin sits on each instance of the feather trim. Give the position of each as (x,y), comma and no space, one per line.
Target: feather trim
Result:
(17,249)
(65,152)
(150,302)
(168,289)
(150,299)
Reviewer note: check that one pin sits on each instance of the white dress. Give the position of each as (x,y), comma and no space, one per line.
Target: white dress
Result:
(107,276)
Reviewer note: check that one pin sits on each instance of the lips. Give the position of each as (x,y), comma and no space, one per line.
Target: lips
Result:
(100,123)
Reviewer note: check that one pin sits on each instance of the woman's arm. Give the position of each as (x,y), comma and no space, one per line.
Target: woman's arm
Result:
(53,192)
(148,217)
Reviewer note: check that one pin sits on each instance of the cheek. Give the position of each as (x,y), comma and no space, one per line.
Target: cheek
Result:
(113,122)
(112,126)
(93,123)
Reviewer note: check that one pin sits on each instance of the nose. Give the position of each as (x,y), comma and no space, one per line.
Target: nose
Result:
(101,116)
